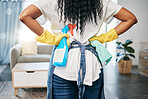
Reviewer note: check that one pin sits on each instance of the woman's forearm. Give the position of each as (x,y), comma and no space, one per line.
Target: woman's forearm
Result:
(128,20)
(124,26)
(28,17)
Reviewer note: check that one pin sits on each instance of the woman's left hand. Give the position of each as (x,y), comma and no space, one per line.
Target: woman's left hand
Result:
(106,37)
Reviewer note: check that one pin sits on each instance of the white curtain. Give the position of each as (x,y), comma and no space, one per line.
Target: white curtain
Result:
(9,25)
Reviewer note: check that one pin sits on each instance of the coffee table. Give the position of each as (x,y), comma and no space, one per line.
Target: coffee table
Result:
(29,75)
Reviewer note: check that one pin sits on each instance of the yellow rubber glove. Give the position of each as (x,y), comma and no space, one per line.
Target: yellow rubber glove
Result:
(50,38)
(68,42)
(106,37)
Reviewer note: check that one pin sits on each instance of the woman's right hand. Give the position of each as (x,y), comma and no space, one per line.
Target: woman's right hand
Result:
(58,32)
(49,38)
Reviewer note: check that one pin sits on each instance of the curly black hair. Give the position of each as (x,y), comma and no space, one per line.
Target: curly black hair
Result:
(80,11)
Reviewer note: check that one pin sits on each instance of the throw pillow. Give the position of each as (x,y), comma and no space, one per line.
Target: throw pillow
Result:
(29,48)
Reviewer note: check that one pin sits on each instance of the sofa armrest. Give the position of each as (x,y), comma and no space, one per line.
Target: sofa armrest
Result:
(15,52)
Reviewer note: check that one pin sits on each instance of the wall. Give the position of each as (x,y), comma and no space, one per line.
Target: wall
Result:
(139,32)
(111,46)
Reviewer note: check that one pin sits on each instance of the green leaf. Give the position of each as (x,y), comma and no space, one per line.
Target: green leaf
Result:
(126,58)
(128,42)
(130,49)
(120,47)
(119,58)
(124,45)
(118,43)
(120,54)
(131,55)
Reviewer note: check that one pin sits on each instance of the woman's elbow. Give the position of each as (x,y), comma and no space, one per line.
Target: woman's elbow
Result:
(134,20)
(22,16)
(31,12)
(126,16)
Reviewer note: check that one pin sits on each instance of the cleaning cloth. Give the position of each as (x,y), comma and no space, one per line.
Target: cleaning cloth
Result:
(103,53)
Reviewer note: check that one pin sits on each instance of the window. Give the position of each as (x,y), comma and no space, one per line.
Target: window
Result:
(25,34)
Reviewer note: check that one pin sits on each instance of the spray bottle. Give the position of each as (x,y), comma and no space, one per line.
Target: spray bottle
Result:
(61,52)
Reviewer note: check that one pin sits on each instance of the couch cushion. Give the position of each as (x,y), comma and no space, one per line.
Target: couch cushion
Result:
(29,48)
(45,49)
(34,58)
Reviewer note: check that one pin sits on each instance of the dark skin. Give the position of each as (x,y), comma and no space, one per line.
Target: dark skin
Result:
(128,20)
(28,16)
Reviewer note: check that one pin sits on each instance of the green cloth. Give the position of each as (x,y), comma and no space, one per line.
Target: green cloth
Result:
(103,53)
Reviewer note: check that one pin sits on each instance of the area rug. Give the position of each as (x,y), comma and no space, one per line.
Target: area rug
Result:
(7,92)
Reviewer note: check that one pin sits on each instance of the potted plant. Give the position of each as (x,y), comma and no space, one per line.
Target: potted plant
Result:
(123,57)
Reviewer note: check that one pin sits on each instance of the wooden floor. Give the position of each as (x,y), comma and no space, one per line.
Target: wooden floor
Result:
(131,86)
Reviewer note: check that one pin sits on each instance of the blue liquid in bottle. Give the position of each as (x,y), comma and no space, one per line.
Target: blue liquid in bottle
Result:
(61,52)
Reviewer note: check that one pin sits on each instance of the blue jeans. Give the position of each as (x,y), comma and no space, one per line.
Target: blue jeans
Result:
(65,89)
(83,93)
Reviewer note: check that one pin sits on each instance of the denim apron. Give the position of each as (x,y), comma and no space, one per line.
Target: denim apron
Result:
(81,74)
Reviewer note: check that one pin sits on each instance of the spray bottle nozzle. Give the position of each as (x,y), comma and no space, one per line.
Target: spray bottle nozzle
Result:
(71,28)
(65,29)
